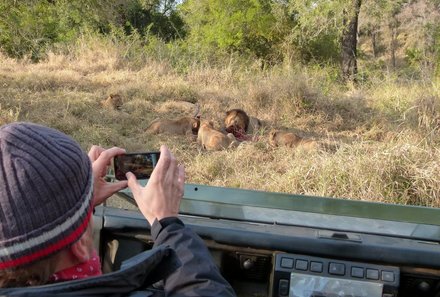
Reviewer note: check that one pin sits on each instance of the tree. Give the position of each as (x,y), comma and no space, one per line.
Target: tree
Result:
(333,25)
(371,19)
(407,29)
(420,20)
(28,27)
(349,42)
(157,17)
(243,26)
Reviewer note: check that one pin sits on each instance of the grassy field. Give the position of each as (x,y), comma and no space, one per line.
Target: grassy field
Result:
(382,137)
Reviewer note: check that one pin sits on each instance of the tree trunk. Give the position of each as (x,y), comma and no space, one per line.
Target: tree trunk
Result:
(393,47)
(374,42)
(349,43)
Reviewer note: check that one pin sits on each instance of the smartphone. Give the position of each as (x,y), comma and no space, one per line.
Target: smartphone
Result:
(140,164)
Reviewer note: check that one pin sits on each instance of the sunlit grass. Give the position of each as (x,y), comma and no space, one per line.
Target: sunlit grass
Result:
(380,141)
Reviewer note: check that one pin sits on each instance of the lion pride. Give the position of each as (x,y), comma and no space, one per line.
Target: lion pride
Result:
(212,139)
(180,126)
(289,139)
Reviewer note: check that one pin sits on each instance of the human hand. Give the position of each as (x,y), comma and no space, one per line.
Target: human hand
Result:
(160,198)
(101,159)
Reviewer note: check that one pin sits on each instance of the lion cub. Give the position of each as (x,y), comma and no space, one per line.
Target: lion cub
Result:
(212,139)
(289,139)
(113,101)
(180,126)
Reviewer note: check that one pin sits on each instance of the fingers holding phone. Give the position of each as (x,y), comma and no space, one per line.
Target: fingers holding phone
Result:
(161,197)
(101,159)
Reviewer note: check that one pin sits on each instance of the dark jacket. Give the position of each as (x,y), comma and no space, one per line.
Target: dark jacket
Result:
(198,275)
(179,258)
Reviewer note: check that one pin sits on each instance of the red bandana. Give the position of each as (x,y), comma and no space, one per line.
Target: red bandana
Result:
(82,270)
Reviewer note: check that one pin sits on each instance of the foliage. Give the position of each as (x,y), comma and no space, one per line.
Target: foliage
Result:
(245,26)
(420,22)
(28,27)
(156,17)
(401,36)
(271,30)
(319,27)
(403,33)
(437,50)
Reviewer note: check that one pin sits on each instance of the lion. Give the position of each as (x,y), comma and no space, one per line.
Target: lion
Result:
(236,119)
(289,139)
(254,124)
(180,126)
(212,139)
(113,101)
(239,123)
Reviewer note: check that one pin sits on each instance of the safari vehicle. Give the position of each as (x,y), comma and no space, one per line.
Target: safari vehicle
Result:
(273,244)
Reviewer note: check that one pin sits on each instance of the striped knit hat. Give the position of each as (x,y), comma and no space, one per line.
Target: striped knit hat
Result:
(45,193)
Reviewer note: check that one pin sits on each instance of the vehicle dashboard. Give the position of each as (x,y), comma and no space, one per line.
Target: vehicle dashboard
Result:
(265,251)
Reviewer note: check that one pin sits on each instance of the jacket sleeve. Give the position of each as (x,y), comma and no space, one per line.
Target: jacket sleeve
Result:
(198,274)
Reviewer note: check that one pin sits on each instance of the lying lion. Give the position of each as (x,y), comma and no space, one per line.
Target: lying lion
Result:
(180,126)
(113,101)
(254,124)
(212,139)
(289,139)
(239,123)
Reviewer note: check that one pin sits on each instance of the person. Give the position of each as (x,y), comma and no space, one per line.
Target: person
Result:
(48,190)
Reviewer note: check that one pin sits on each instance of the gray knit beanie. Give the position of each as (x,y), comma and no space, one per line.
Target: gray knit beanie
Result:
(45,193)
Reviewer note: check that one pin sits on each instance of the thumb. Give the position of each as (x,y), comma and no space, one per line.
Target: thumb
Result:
(132,183)
(131,179)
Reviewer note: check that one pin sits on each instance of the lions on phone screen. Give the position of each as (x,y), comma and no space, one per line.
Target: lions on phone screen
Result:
(212,139)
(289,139)
(182,126)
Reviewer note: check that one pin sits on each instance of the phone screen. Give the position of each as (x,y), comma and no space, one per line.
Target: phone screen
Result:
(140,164)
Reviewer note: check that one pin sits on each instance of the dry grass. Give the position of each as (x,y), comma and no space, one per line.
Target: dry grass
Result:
(382,139)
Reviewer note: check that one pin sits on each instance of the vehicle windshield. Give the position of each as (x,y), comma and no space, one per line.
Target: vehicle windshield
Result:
(238,205)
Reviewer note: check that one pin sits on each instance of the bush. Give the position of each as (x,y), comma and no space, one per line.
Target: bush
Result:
(29,28)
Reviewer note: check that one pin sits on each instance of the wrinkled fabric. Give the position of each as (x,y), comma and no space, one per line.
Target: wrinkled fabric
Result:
(198,275)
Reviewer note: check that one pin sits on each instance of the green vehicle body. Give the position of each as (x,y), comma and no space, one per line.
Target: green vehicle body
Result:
(248,231)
